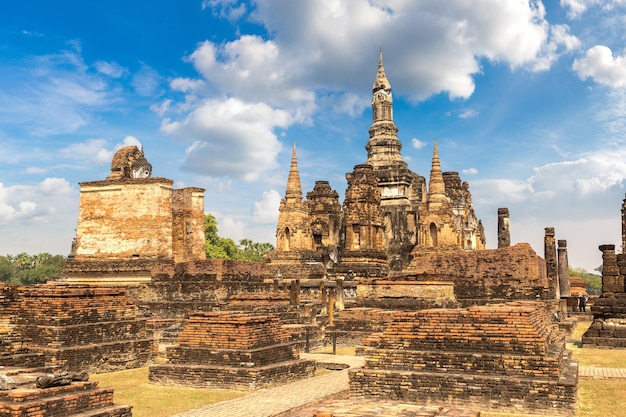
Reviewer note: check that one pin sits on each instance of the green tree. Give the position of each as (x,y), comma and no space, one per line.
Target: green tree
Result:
(593,281)
(30,269)
(254,251)
(218,247)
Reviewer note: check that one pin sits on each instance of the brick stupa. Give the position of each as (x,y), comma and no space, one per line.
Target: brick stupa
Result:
(232,350)
(499,357)
(80,328)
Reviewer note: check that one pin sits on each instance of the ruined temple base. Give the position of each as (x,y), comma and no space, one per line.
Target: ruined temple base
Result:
(608,329)
(232,350)
(216,377)
(80,328)
(82,399)
(508,357)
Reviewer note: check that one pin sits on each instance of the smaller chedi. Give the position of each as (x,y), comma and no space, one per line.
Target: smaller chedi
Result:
(132,221)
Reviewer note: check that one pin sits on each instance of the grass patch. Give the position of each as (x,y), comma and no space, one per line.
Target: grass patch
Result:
(151,400)
(601,397)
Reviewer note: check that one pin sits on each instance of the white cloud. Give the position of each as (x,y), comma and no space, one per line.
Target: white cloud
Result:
(146,81)
(112,69)
(576,8)
(468,114)
(230,138)
(469,171)
(230,228)
(417,144)
(51,94)
(40,202)
(600,65)
(266,210)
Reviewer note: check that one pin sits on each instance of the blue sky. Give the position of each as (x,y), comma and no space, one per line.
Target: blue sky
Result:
(526,99)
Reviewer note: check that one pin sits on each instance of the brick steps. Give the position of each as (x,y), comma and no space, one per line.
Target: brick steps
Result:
(228,377)
(83,399)
(235,350)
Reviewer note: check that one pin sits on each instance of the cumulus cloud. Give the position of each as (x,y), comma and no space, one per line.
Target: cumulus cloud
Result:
(40,202)
(302,68)
(230,228)
(418,144)
(266,210)
(576,8)
(602,66)
(469,171)
(230,138)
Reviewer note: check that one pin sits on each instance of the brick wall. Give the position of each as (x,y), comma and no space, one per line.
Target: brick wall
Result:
(501,357)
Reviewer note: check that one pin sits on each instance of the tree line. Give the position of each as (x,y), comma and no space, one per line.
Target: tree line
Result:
(218,247)
(30,269)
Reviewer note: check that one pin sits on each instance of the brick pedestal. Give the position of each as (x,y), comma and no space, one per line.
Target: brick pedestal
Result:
(81,328)
(232,350)
(502,357)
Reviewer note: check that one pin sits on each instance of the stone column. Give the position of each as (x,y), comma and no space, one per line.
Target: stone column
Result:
(551,265)
(331,306)
(563,270)
(504,233)
(610,270)
(339,295)
(624,226)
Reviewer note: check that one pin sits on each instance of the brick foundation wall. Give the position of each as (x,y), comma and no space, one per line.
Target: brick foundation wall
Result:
(80,328)
(501,357)
(76,399)
(232,349)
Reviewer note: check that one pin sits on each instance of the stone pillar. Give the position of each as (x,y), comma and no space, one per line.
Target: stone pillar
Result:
(624,226)
(563,270)
(339,295)
(294,292)
(331,306)
(610,270)
(551,265)
(504,233)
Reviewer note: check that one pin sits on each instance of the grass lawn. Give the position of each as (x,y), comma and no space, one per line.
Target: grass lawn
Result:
(151,400)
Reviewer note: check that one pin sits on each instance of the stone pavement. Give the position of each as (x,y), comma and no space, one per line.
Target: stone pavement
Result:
(280,400)
(589,372)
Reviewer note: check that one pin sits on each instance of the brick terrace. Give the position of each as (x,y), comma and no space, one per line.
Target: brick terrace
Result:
(237,350)
(508,357)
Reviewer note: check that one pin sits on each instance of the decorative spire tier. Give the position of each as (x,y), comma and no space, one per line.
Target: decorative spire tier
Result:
(383,146)
(436,185)
(294,187)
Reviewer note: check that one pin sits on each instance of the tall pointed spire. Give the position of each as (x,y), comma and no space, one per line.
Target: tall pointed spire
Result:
(294,187)
(381,82)
(383,145)
(436,185)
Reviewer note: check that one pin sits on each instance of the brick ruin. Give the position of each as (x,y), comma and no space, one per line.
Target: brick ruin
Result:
(232,350)
(608,329)
(397,244)
(388,212)
(499,357)
(77,399)
(78,328)
(132,221)
(23,362)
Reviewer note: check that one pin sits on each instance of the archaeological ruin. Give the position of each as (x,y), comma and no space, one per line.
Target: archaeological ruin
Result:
(399,268)
(608,329)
